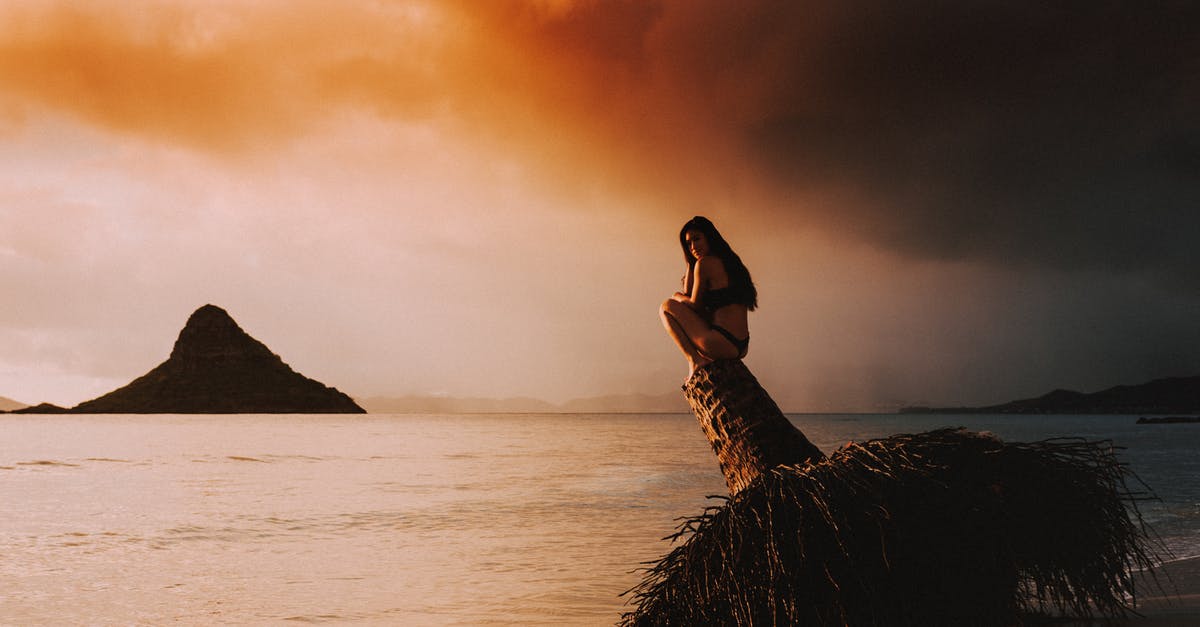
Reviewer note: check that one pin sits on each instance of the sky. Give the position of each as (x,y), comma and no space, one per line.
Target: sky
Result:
(940,202)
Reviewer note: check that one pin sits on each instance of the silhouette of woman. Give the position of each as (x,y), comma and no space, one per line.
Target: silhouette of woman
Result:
(708,319)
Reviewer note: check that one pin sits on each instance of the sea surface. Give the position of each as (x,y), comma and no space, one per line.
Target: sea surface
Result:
(406,519)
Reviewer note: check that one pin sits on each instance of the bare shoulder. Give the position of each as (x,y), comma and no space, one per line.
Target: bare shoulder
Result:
(711,265)
(711,272)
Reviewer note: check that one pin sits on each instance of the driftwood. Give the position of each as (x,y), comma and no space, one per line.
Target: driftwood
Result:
(947,527)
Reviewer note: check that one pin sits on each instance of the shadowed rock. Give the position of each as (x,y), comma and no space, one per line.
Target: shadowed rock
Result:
(217,368)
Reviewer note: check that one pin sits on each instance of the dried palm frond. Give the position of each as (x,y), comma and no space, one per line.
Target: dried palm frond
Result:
(947,527)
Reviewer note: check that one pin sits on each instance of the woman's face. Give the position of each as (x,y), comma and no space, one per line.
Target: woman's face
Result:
(697,243)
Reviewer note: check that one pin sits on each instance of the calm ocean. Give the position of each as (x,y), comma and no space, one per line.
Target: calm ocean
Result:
(405,519)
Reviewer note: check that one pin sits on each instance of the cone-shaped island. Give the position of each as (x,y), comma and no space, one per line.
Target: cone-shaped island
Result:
(217,368)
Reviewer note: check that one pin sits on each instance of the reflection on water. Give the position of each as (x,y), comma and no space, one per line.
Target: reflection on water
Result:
(377,519)
(508,519)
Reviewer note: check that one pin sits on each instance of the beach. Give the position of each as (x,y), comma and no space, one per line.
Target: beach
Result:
(1177,603)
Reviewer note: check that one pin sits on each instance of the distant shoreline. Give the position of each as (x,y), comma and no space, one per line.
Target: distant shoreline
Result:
(1177,396)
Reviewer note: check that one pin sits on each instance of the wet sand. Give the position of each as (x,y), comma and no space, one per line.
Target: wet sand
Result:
(1173,600)
(1178,601)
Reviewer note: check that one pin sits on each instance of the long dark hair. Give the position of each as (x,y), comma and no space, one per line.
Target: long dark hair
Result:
(739,276)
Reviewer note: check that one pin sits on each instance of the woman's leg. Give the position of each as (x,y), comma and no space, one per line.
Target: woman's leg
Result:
(699,343)
(670,312)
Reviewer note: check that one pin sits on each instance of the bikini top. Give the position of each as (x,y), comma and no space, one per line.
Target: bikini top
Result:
(713,300)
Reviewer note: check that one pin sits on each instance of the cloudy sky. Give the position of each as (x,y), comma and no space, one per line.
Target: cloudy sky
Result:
(940,202)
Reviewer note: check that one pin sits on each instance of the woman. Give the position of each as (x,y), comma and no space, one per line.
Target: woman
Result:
(708,320)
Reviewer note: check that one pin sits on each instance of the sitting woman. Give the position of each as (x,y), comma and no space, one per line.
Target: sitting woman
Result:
(708,320)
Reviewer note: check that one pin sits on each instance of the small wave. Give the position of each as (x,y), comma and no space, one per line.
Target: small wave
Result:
(47,462)
(321,618)
(186,530)
(305,458)
(192,533)
(288,524)
(1194,558)
(109,459)
(239,458)
(73,538)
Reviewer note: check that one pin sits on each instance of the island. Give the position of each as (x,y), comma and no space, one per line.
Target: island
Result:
(217,368)
(41,408)
(1169,420)
(1176,395)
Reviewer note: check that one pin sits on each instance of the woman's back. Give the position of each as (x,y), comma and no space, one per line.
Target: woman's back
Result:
(725,304)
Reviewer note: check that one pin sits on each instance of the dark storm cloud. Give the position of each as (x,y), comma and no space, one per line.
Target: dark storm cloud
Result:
(1048,134)
(1057,142)
(1058,134)
(1053,134)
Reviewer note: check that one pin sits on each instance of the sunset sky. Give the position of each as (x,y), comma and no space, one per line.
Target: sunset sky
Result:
(940,202)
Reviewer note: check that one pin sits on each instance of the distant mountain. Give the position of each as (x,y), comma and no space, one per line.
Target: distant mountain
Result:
(8,404)
(217,368)
(1179,395)
(614,403)
(672,402)
(41,408)
(451,405)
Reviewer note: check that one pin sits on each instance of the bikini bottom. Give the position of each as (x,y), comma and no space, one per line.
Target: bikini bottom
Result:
(741,345)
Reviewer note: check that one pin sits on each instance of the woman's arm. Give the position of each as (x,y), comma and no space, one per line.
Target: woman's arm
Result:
(698,275)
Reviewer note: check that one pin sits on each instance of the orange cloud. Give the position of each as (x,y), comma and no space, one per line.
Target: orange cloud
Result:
(569,86)
(214,78)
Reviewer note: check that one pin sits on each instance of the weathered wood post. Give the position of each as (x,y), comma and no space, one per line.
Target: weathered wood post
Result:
(746,429)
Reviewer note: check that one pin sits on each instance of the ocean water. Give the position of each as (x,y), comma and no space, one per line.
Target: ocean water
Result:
(405,519)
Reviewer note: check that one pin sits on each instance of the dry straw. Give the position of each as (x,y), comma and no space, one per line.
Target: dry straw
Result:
(947,527)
